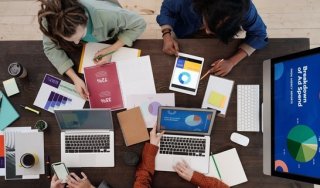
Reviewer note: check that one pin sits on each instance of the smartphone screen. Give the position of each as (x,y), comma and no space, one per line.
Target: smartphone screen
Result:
(61,171)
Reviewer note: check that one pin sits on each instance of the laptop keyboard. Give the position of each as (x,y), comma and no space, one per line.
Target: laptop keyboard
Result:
(182,146)
(87,143)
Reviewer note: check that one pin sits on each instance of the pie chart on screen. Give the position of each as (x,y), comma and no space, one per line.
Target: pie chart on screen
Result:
(302,143)
(193,120)
(184,78)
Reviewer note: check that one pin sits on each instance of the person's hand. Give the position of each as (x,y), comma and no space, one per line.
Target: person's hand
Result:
(56,183)
(75,181)
(222,68)
(154,138)
(170,46)
(105,59)
(81,88)
(183,170)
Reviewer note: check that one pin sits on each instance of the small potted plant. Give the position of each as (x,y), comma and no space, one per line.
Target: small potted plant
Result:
(41,125)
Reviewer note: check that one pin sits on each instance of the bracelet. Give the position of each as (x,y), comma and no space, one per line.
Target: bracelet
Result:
(163,34)
(166,30)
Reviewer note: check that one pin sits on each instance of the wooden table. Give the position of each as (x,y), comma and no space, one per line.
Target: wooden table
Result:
(249,71)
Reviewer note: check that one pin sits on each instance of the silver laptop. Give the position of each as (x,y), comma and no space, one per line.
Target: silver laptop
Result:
(87,137)
(187,137)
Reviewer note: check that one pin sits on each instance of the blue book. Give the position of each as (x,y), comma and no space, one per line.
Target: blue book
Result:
(7,112)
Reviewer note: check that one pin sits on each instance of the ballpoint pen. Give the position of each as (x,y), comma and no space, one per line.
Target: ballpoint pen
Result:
(215,164)
(48,167)
(210,70)
(30,109)
(99,57)
(1,100)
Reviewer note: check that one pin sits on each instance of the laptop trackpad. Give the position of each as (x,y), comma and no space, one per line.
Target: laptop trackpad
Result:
(175,160)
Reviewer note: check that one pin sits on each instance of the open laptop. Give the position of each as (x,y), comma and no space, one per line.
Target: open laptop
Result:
(187,137)
(87,137)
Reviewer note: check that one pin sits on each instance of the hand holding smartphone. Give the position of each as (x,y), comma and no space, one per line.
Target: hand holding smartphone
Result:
(61,171)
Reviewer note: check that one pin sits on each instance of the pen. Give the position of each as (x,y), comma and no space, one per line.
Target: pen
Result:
(215,164)
(48,168)
(1,101)
(30,109)
(103,55)
(210,70)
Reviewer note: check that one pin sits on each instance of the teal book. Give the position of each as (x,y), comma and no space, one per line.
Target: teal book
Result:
(7,112)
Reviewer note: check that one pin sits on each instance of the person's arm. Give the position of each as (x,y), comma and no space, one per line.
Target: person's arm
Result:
(206,182)
(56,56)
(169,10)
(256,31)
(145,169)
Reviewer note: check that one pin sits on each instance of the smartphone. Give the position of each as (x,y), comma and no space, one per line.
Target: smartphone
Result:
(61,171)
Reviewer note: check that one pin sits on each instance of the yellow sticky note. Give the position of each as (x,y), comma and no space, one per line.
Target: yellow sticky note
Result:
(11,87)
(217,99)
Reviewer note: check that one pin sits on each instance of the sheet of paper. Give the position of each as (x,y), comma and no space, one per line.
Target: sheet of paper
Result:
(218,94)
(149,104)
(229,166)
(11,87)
(56,94)
(90,49)
(136,77)
(30,142)
(10,160)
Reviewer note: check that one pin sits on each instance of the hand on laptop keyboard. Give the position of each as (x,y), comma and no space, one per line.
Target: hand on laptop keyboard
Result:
(183,170)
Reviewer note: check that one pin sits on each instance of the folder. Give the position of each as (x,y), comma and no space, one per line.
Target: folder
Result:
(7,112)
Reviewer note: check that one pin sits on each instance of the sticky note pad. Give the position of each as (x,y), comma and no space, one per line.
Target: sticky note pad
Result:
(217,99)
(11,87)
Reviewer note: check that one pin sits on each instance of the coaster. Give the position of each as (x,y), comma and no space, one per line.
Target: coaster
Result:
(217,99)
(11,87)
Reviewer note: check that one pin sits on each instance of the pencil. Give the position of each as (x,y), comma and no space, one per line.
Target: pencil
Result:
(209,71)
(103,55)
(215,164)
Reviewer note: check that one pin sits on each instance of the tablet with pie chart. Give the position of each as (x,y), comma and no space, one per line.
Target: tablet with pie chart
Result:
(186,74)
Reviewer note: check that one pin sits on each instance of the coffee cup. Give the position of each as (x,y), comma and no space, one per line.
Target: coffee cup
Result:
(17,70)
(28,160)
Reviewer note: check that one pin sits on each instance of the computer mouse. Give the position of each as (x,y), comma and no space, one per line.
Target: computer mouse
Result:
(131,158)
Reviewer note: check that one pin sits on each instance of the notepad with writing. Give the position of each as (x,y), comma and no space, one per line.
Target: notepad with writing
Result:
(227,167)
(218,94)
(133,126)
(90,49)
(8,114)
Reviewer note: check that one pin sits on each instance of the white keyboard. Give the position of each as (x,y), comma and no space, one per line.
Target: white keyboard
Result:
(248,108)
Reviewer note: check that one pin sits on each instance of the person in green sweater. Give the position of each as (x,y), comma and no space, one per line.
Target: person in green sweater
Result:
(66,24)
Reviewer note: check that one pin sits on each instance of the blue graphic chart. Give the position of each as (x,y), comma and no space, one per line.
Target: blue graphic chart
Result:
(193,120)
(56,100)
(184,78)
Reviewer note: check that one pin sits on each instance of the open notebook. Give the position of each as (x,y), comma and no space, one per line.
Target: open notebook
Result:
(227,167)
(90,49)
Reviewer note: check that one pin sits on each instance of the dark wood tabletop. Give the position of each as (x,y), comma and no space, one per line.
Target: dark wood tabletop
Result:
(249,71)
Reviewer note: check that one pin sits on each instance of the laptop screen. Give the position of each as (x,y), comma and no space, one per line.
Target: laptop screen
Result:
(84,119)
(193,121)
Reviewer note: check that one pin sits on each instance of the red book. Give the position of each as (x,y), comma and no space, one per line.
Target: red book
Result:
(104,87)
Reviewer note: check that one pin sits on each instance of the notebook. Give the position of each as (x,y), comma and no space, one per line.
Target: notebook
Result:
(218,94)
(90,49)
(104,87)
(11,87)
(227,167)
(133,126)
(7,112)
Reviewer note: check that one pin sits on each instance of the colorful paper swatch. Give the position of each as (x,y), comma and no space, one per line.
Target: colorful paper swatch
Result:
(217,99)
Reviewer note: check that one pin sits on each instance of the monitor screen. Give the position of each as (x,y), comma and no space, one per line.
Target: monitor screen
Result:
(195,121)
(84,119)
(295,104)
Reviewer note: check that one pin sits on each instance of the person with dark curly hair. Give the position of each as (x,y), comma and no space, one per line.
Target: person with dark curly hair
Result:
(222,19)
(65,24)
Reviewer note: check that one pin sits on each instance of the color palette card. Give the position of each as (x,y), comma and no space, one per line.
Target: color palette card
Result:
(11,87)
(218,94)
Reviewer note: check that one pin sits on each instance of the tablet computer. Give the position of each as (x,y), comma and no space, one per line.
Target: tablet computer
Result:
(186,74)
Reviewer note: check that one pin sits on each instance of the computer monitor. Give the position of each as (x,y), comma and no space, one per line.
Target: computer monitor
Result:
(291,116)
